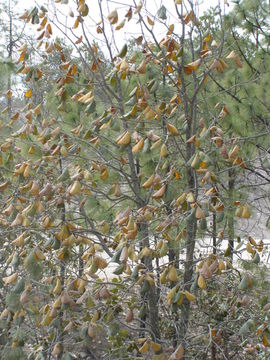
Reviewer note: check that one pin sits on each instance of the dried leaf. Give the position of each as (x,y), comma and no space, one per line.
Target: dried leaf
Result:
(178,354)
(189,296)
(236,58)
(129,14)
(199,213)
(28,93)
(138,8)
(158,194)
(150,21)
(76,24)
(120,25)
(192,66)
(201,282)
(113,17)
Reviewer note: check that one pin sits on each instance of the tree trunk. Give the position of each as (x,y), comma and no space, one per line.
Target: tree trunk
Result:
(214,234)
(10,52)
(231,183)
(152,295)
(62,279)
(191,228)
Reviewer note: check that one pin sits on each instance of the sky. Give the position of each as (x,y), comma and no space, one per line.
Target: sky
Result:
(204,4)
(131,28)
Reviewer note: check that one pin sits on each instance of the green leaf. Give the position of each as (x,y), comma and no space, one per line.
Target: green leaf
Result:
(162,12)
(256,258)
(13,301)
(145,287)
(119,270)
(244,283)
(123,51)
(116,257)
(86,10)
(19,287)
(91,107)
(247,327)
(113,329)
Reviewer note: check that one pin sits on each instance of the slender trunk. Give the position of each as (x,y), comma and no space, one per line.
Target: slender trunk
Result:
(174,259)
(152,294)
(213,351)
(214,234)
(61,315)
(81,266)
(191,229)
(10,52)
(231,183)
(188,273)
(62,279)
